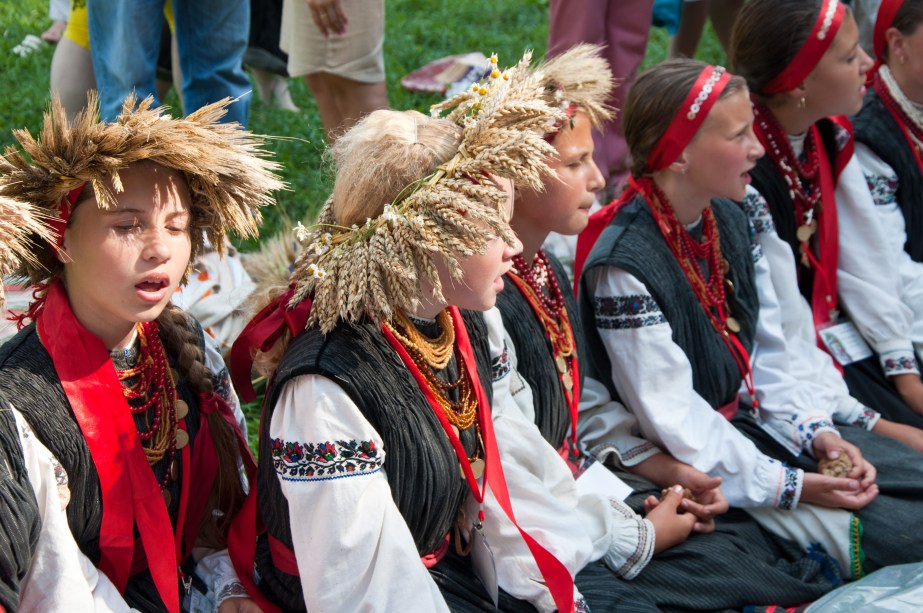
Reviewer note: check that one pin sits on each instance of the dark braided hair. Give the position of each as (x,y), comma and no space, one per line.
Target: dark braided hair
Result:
(181,340)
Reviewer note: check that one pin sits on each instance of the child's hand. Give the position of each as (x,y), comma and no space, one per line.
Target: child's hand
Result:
(836,492)
(829,445)
(671,525)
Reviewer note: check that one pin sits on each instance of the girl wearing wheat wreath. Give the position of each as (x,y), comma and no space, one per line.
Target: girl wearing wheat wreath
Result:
(119,385)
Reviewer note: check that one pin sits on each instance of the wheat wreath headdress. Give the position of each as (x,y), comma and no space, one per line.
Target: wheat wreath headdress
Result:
(226,167)
(379,267)
(19,223)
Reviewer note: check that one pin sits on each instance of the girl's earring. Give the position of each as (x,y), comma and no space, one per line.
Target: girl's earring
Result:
(801,103)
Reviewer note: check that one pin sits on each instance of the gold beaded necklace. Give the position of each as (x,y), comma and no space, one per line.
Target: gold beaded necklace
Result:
(432,355)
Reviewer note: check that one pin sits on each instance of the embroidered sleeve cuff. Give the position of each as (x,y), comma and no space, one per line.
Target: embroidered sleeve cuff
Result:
(234,589)
(612,454)
(791,480)
(810,428)
(632,545)
(898,362)
(865,418)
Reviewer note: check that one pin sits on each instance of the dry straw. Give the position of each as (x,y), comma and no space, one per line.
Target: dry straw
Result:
(225,166)
(383,266)
(20,223)
(582,79)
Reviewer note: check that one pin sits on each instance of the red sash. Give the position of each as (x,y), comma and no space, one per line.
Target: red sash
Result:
(557,577)
(130,493)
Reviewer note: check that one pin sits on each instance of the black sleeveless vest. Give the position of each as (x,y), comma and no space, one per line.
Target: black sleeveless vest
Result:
(27,375)
(877,129)
(534,353)
(633,243)
(421,465)
(772,186)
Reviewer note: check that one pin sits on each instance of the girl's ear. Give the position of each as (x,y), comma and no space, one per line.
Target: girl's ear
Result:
(681,164)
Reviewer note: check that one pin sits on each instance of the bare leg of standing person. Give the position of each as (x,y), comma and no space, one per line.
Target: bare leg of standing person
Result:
(341,101)
(72,75)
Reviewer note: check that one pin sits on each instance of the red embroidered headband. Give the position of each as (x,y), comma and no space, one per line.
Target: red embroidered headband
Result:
(695,108)
(886,14)
(828,23)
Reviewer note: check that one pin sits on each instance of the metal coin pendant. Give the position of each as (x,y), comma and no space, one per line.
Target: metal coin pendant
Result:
(477,467)
(732,324)
(175,374)
(724,266)
(805,232)
(561,363)
(182,439)
(728,286)
(167,497)
(182,409)
(174,469)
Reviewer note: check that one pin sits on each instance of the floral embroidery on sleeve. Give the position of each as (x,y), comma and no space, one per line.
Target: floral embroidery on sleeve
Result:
(898,364)
(627,312)
(500,365)
(789,494)
(760,221)
(865,418)
(883,188)
(296,461)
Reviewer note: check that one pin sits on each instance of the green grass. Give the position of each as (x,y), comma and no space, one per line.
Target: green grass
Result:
(418,31)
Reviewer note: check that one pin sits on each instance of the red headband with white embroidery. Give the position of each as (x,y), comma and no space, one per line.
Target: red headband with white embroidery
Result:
(828,23)
(695,108)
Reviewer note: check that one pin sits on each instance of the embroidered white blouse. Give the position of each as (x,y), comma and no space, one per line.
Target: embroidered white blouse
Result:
(654,379)
(869,288)
(581,528)
(883,184)
(813,367)
(60,577)
(352,544)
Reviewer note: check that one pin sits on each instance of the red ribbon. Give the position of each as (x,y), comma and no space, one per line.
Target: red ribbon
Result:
(262,333)
(557,577)
(59,224)
(828,23)
(130,493)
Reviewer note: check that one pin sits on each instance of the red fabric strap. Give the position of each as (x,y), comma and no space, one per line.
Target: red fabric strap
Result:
(130,493)
(687,121)
(597,223)
(245,528)
(433,558)
(59,223)
(814,47)
(557,577)
(730,409)
(261,333)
